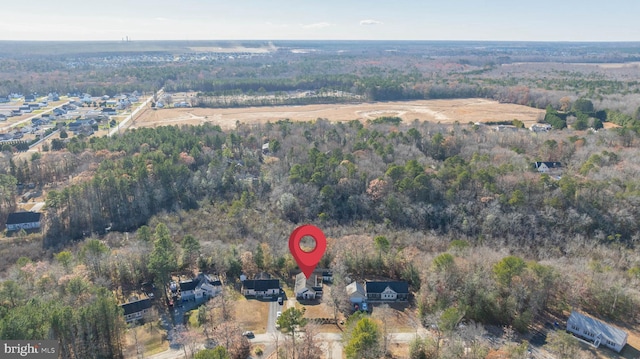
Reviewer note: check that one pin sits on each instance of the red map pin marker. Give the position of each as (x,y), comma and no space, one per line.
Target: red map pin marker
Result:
(307,261)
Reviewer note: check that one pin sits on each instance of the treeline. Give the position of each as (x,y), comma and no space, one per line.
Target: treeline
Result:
(146,171)
(85,320)
(440,202)
(462,180)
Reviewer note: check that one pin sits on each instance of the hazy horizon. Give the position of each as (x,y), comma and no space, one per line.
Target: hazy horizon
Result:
(403,20)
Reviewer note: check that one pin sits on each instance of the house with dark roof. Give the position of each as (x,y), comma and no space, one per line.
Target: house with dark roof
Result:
(386,291)
(188,290)
(308,289)
(596,332)
(136,310)
(261,287)
(23,220)
(546,167)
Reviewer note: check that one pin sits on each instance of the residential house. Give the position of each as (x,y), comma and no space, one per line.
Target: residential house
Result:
(3,117)
(308,289)
(86,98)
(23,220)
(188,290)
(207,286)
(136,310)
(540,127)
(597,332)
(546,167)
(6,137)
(29,98)
(387,291)
(4,99)
(261,287)
(356,293)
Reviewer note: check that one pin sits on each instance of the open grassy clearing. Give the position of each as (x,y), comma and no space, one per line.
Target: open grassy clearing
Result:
(252,314)
(443,111)
(150,339)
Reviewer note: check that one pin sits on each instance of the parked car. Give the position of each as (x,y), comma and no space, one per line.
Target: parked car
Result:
(280,300)
(249,334)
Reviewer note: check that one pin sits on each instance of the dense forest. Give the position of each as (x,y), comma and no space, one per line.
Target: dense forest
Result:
(430,191)
(458,211)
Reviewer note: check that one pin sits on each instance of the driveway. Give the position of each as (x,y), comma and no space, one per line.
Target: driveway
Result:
(274,308)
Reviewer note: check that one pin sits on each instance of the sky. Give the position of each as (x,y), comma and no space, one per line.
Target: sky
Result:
(490,20)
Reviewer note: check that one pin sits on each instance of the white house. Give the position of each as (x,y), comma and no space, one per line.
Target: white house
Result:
(540,127)
(387,291)
(261,287)
(546,167)
(23,220)
(207,286)
(356,293)
(188,290)
(308,289)
(597,332)
(136,310)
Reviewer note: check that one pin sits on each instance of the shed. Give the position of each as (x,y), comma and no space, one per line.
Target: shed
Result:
(597,332)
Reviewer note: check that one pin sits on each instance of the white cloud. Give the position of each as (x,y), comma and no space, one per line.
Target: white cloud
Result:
(370,22)
(161,19)
(318,25)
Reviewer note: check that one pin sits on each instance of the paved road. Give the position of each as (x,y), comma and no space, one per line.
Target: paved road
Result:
(141,107)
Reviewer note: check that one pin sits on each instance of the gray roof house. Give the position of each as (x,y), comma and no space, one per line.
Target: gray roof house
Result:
(544,167)
(597,332)
(356,293)
(308,288)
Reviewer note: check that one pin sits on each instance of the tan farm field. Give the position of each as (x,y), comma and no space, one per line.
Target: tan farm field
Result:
(442,111)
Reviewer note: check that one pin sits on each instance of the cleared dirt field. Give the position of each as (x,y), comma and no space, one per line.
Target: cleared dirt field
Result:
(443,111)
